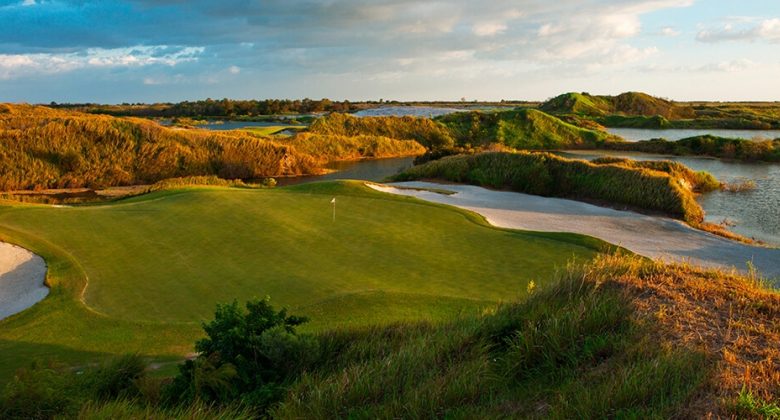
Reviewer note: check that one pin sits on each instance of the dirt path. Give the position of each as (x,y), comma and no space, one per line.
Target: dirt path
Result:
(655,237)
(22,274)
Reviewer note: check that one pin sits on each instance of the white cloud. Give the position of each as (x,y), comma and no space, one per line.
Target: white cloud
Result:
(670,32)
(488,28)
(234,70)
(15,65)
(743,29)
(28,3)
(732,66)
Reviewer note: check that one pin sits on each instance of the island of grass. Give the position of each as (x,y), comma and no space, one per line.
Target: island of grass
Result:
(138,275)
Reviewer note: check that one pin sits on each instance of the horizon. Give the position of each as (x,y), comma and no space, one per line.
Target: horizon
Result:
(139,51)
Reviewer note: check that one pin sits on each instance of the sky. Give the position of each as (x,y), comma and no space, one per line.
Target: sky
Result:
(115,51)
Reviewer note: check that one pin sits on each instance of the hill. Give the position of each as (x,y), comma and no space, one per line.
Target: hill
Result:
(519,129)
(423,130)
(42,148)
(625,104)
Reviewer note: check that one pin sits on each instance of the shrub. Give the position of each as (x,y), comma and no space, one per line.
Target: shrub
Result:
(248,354)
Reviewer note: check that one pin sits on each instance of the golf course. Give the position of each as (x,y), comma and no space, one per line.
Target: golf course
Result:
(139,275)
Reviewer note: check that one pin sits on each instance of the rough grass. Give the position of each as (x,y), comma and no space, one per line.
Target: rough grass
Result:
(621,337)
(157,264)
(576,349)
(625,104)
(707,145)
(422,130)
(519,129)
(661,187)
(331,147)
(44,148)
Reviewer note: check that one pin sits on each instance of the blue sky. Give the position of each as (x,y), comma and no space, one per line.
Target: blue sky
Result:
(170,50)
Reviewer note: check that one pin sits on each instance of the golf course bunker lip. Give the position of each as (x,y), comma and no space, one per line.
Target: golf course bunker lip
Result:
(650,236)
(22,276)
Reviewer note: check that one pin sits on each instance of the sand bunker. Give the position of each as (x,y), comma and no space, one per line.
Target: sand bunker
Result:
(654,237)
(22,276)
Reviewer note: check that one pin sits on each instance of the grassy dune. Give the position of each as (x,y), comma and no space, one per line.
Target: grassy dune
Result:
(139,274)
(661,187)
(519,129)
(720,147)
(330,147)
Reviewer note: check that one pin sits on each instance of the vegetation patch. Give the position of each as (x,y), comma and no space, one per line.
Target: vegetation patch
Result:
(657,186)
(621,336)
(707,145)
(332,147)
(422,130)
(520,129)
(141,273)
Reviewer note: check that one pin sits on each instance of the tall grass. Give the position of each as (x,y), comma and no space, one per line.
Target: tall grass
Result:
(331,147)
(422,130)
(571,351)
(662,187)
(707,145)
(43,148)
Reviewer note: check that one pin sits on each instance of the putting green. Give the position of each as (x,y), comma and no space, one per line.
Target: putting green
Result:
(140,274)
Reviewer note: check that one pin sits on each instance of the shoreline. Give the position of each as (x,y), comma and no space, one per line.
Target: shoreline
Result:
(650,236)
(22,279)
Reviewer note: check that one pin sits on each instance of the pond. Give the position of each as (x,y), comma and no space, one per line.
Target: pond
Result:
(636,134)
(754,213)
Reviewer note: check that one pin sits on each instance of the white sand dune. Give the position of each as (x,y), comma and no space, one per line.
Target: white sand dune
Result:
(22,276)
(654,237)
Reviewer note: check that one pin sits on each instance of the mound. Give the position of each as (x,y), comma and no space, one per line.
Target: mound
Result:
(627,104)
(661,187)
(520,129)
(44,148)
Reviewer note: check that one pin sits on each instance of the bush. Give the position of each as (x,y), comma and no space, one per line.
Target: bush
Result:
(249,354)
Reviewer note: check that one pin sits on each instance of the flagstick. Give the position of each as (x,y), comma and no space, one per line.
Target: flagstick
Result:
(334,209)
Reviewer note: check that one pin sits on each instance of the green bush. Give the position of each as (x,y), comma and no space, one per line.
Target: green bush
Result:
(249,354)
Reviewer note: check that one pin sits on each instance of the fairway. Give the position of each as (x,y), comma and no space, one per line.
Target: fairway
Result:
(140,274)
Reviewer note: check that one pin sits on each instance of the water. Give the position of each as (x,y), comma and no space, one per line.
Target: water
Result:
(756,213)
(636,134)
(368,170)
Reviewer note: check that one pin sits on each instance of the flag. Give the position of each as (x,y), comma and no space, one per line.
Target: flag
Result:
(333,201)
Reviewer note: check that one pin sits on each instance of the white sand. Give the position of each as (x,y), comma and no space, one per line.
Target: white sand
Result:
(654,237)
(22,274)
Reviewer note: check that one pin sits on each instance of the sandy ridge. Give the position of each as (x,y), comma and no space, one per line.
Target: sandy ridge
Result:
(654,237)
(22,276)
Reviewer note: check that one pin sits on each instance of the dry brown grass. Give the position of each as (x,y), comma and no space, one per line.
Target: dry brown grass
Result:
(733,318)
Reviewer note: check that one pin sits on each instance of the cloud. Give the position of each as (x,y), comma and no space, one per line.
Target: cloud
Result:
(17,65)
(731,66)
(670,32)
(745,29)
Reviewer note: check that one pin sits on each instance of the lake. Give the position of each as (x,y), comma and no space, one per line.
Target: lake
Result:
(755,213)
(636,134)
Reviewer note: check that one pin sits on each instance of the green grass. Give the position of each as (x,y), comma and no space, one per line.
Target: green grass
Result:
(573,350)
(156,265)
